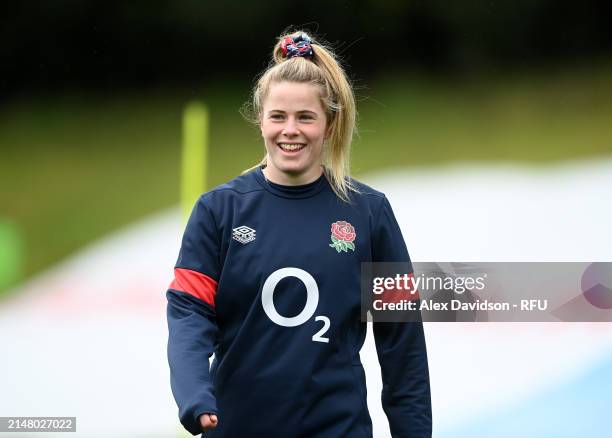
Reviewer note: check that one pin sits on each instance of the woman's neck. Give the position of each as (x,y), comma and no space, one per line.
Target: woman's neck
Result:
(291,180)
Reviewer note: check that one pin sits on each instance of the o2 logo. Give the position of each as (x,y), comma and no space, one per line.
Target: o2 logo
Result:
(312,300)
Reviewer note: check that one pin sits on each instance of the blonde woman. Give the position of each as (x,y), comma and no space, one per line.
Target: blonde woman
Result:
(268,277)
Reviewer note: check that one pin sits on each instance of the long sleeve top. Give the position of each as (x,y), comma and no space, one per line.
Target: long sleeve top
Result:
(268,279)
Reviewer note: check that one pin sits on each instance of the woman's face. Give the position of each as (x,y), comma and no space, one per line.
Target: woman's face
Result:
(293,126)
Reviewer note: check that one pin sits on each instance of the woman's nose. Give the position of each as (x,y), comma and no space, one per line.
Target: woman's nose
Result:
(290,128)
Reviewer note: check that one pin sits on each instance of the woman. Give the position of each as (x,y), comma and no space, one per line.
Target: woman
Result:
(268,278)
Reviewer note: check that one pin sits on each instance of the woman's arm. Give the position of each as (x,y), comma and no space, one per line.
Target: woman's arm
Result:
(192,330)
(192,326)
(401,347)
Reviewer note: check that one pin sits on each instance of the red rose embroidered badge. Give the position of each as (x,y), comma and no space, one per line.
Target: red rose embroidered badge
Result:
(342,236)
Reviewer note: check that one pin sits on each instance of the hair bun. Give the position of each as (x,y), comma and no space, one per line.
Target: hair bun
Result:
(298,45)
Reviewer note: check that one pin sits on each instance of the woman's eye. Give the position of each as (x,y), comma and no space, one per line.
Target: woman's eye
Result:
(306,117)
(276,116)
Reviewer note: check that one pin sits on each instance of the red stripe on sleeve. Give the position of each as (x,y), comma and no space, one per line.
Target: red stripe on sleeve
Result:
(405,291)
(195,283)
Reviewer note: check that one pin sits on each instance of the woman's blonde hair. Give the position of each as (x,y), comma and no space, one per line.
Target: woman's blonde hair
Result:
(337,99)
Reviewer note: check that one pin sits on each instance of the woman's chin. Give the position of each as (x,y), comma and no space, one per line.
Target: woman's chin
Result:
(291,167)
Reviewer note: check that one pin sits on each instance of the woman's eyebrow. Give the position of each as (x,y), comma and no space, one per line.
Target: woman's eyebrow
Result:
(298,112)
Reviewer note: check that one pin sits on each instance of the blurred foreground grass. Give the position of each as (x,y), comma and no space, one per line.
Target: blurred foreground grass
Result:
(75,167)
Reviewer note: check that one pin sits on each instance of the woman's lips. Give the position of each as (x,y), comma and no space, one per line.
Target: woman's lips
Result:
(291,147)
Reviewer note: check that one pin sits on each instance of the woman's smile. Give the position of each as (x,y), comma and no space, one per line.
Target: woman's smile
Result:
(291,148)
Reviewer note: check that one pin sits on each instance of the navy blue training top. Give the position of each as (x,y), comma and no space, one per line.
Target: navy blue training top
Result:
(268,279)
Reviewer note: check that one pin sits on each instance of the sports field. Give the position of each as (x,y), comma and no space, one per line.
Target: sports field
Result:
(498,169)
(87,338)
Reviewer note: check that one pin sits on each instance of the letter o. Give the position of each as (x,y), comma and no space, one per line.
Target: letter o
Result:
(312,296)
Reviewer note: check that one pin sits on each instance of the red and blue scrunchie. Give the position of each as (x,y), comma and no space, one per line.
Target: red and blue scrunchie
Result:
(297,46)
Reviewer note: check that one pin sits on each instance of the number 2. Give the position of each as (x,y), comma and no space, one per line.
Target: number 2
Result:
(317,336)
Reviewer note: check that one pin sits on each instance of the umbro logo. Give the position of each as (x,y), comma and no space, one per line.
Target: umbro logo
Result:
(243,234)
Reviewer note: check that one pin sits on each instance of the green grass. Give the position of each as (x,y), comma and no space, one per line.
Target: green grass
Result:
(74,168)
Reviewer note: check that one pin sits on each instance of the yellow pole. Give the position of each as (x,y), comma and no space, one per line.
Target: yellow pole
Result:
(12,251)
(194,158)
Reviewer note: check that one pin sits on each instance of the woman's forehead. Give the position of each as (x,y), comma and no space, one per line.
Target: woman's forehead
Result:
(294,96)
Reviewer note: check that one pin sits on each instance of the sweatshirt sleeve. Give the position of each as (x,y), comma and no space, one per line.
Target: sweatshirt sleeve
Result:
(192,327)
(401,347)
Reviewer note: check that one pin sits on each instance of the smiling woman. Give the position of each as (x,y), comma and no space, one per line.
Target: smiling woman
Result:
(294,128)
(268,278)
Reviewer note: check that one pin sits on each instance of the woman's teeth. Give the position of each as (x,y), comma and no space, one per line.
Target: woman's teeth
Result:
(291,147)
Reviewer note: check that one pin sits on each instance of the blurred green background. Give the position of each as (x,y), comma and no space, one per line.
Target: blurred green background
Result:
(90,125)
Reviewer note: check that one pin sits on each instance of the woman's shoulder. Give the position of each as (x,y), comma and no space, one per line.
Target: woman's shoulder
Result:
(365,192)
(240,185)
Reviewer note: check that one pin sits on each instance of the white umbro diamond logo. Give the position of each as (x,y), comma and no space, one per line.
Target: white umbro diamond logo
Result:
(243,234)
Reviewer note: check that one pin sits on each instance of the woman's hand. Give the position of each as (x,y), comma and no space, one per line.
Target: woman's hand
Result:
(208,421)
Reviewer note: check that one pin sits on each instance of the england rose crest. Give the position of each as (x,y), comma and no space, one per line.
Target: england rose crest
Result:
(342,236)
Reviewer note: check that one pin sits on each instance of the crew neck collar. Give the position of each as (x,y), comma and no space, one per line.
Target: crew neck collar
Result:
(296,192)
